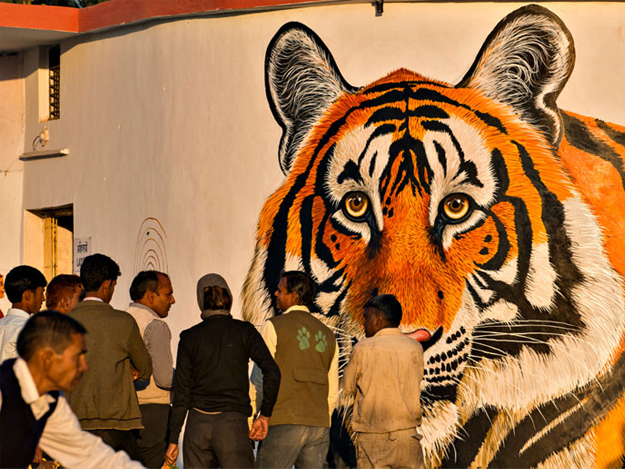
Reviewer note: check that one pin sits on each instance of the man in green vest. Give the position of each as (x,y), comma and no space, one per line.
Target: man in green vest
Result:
(307,355)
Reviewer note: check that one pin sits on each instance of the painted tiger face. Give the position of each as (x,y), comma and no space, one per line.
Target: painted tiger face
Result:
(456,200)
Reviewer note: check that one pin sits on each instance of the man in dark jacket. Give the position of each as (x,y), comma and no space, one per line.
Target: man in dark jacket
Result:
(105,400)
(212,385)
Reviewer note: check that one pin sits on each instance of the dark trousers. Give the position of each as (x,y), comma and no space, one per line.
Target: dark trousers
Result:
(217,440)
(152,439)
(121,440)
(299,445)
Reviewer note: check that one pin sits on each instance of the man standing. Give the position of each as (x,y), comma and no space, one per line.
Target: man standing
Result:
(385,374)
(63,293)
(307,355)
(51,349)
(212,385)
(105,400)
(152,296)
(24,286)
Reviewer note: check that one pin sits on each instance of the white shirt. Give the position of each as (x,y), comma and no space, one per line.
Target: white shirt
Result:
(10,327)
(271,340)
(62,437)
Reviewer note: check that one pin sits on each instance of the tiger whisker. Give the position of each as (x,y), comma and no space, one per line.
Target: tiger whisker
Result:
(521,322)
(553,344)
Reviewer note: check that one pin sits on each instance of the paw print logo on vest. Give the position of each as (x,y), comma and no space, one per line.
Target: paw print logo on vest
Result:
(303,336)
(322,342)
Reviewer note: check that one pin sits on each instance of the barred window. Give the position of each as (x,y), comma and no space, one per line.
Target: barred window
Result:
(54,63)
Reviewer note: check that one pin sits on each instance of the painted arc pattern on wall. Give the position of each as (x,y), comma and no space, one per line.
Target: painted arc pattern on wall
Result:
(150,249)
(488,211)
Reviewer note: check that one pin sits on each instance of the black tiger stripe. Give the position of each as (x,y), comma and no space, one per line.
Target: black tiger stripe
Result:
(428,94)
(560,256)
(499,168)
(351,172)
(306,224)
(321,249)
(560,250)
(616,135)
(404,148)
(335,310)
(466,167)
(384,87)
(597,400)
(372,163)
(497,261)
(579,136)
(329,285)
(467,446)
(379,131)
(442,156)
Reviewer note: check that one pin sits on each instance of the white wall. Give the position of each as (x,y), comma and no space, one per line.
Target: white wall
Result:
(11,175)
(169,120)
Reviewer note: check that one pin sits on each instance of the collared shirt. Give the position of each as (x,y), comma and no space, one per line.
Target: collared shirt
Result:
(384,373)
(270,336)
(62,437)
(10,327)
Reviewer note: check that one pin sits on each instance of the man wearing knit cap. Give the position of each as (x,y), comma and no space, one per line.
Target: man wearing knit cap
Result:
(212,386)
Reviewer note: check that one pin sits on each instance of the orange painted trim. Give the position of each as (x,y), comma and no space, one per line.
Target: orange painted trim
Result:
(120,12)
(41,17)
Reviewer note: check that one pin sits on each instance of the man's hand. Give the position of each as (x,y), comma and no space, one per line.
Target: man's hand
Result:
(134,372)
(259,428)
(38,455)
(171,456)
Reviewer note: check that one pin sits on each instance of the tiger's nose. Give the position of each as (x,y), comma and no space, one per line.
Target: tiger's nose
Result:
(420,335)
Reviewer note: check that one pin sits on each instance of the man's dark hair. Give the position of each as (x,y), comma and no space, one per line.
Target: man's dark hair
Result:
(61,286)
(97,269)
(21,279)
(302,284)
(216,298)
(389,306)
(144,282)
(47,329)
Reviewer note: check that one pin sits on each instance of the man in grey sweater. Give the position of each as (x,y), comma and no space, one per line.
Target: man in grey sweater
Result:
(152,295)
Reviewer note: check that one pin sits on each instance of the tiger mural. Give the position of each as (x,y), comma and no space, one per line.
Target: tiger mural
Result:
(493,216)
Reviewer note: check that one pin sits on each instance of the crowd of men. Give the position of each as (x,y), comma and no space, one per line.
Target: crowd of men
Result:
(86,385)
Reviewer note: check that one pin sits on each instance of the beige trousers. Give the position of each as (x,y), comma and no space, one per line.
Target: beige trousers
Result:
(398,449)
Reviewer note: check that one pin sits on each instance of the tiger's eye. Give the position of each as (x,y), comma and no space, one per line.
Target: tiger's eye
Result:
(456,206)
(355,205)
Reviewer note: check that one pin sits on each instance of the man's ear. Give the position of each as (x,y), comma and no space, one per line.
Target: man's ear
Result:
(64,302)
(27,296)
(44,356)
(151,296)
(108,284)
(380,320)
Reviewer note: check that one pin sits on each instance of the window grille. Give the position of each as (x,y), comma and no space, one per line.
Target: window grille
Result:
(54,61)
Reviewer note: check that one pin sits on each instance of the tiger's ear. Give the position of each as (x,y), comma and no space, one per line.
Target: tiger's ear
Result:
(524,63)
(301,81)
